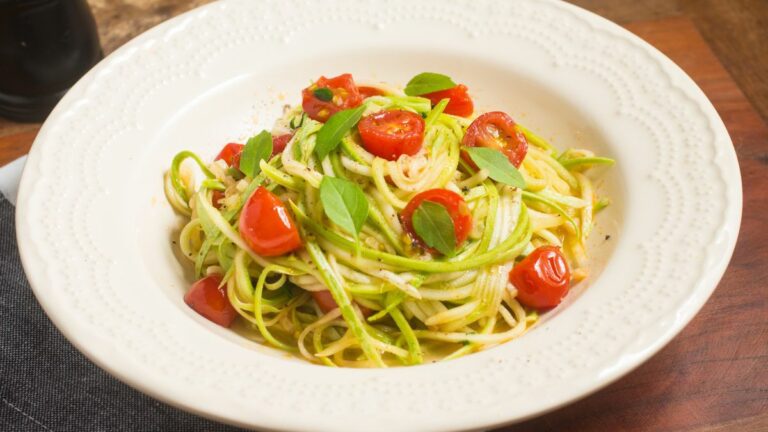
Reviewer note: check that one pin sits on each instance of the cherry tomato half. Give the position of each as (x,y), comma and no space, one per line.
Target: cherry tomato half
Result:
(210,300)
(455,205)
(460,103)
(341,94)
(231,154)
(368,91)
(390,134)
(279,142)
(542,278)
(497,130)
(266,226)
(325,301)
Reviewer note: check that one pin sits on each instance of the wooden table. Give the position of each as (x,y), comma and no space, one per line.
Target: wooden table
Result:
(714,375)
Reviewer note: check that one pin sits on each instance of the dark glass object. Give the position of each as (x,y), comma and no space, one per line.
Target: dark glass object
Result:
(45,47)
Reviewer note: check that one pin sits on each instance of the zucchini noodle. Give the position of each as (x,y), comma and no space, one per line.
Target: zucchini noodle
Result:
(397,303)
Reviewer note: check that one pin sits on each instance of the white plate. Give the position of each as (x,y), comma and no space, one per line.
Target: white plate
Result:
(95,231)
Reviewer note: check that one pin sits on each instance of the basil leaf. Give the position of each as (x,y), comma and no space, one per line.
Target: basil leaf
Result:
(323,93)
(428,82)
(344,203)
(497,164)
(434,226)
(329,136)
(257,148)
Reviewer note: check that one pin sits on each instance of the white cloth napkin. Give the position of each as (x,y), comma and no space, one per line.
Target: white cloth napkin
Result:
(9,178)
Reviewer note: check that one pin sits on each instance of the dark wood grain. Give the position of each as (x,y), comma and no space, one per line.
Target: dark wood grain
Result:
(712,377)
(17,144)
(737,31)
(121,20)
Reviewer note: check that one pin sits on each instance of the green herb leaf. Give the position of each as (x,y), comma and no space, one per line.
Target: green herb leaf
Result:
(344,203)
(428,82)
(497,164)
(323,93)
(434,226)
(257,148)
(330,135)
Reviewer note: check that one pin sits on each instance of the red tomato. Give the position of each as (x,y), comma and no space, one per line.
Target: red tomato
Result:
(210,300)
(542,278)
(497,130)
(325,301)
(217,196)
(389,134)
(455,205)
(460,103)
(279,142)
(231,154)
(367,91)
(266,225)
(344,95)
